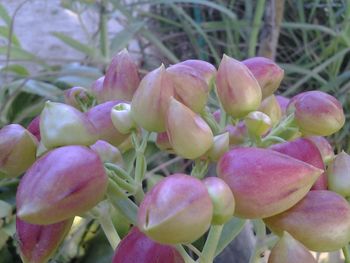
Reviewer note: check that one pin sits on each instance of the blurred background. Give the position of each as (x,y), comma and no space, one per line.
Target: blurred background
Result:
(47,46)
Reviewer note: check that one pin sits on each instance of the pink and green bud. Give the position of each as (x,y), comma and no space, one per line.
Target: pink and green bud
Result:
(324,147)
(34,127)
(283,102)
(222,198)
(65,182)
(100,117)
(237,133)
(206,70)
(77,97)
(289,250)
(137,247)
(220,145)
(266,72)
(258,123)
(238,90)
(38,243)
(265,182)
(122,119)
(163,142)
(339,174)
(271,107)
(320,221)
(189,135)
(317,113)
(108,153)
(150,102)
(97,90)
(17,150)
(62,124)
(189,87)
(177,210)
(306,151)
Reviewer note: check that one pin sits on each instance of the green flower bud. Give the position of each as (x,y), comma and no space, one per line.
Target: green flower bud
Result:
(121,118)
(271,107)
(258,123)
(220,146)
(339,174)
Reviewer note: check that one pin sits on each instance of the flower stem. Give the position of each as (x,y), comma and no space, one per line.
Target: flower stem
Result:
(184,254)
(109,230)
(211,243)
(346,253)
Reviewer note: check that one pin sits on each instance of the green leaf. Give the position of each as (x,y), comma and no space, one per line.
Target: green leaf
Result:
(72,81)
(5,209)
(5,32)
(36,87)
(4,15)
(17,69)
(17,53)
(122,38)
(80,70)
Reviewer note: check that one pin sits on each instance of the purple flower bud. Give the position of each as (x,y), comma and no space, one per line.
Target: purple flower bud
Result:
(38,243)
(17,150)
(34,127)
(97,90)
(203,68)
(108,153)
(65,182)
(283,102)
(324,147)
(339,174)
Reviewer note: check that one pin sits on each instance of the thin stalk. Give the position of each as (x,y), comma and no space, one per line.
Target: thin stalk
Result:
(346,253)
(104,43)
(184,254)
(259,11)
(109,230)
(211,244)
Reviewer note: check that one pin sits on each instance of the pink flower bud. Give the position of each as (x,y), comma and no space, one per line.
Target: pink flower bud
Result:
(283,102)
(222,198)
(34,127)
(38,243)
(77,95)
(190,88)
(108,153)
(17,150)
(204,69)
(288,250)
(258,123)
(267,73)
(317,113)
(237,133)
(137,247)
(61,124)
(121,79)
(324,147)
(321,221)
(65,182)
(100,116)
(238,90)
(122,119)
(270,107)
(189,134)
(177,210)
(220,145)
(150,102)
(265,182)
(97,90)
(339,174)
(163,143)
(304,150)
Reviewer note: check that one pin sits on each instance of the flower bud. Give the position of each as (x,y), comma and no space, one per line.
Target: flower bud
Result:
(189,134)
(150,102)
(288,250)
(270,107)
(317,113)
(320,221)
(38,243)
(265,182)
(34,127)
(203,68)
(65,182)
(100,116)
(163,142)
(238,90)
(304,150)
(17,150)
(266,72)
(339,174)
(237,133)
(220,146)
(137,247)
(121,80)
(61,124)
(97,90)
(324,147)
(190,88)
(283,102)
(77,96)
(121,118)
(222,198)
(108,153)
(258,123)
(177,210)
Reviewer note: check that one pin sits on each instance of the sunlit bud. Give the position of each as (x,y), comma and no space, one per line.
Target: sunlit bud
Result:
(220,146)
(271,107)
(122,119)
(258,123)
(339,174)
(204,69)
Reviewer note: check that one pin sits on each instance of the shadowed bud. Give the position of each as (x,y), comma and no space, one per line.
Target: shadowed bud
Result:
(137,247)
(238,90)
(121,118)
(266,72)
(304,150)
(17,150)
(100,116)
(150,102)
(265,182)
(270,107)
(324,147)
(189,134)
(78,96)
(222,198)
(339,174)
(177,210)
(108,153)
(163,143)
(61,124)
(37,243)
(189,87)
(34,127)
(288,250)
(237,133)
(203,68)
(258,123)
(220,146)
(283,102)
(97,90)
(65,182)
(317,113)
(321,221)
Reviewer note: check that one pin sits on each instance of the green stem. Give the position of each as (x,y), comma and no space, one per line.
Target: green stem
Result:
(109,230)
(104,45)
(200,168)
(184,254)
(282,126)
(129,187)
(119,171)
(259,12)
(208,117)
(211,243)
(346,253)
